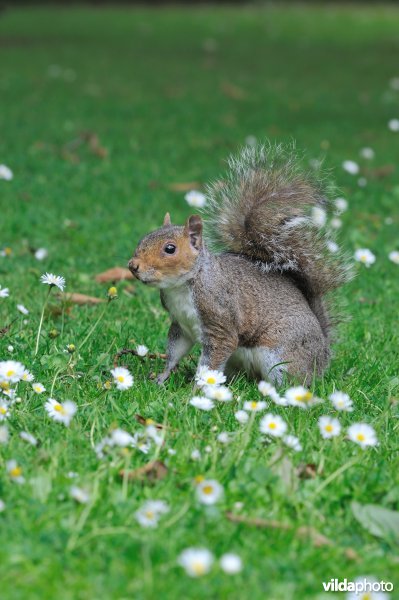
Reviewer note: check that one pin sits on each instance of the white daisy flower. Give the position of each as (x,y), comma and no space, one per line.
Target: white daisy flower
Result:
(351,167)
(364,590)
(41,254)
(393,125)
(335,223)
(394,257)
(4,435)
(301,397)
(28,437)
(195,198)
(224,437)
(61,413)
(4,292)
(155,434)
(268,390)
(79,494)
(196,561)
(255,405)
(332,246)
(329,427)
(141,350)
(121,438)
(319,216)
(202,403)
(231,563)
(141,443)
(10,349)
(38,388)
(11,371)
(208,377)
(53,280)
(218,392)
(122,378)
(149,514)
(365,256)
(292,442)
(209,491)
(22,309)
(195,454)
(4,410)
(273,425)
(27,376)
(341,205)
(362,434)
(6,173)
(367,153)
(341,401)
(241,416)
(15,471)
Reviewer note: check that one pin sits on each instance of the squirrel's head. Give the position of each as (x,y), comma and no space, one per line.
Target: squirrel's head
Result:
(167,256)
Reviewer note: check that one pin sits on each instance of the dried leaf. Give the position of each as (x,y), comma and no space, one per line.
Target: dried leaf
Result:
(140,419)
(113,275)
(317,538)
(184,187)
(153,471)
(81,299)
(307,471)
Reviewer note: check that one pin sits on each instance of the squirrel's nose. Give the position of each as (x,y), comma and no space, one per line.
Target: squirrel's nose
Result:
(133,265)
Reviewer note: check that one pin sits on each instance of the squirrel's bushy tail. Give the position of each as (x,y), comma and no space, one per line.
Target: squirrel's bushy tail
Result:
(271,211)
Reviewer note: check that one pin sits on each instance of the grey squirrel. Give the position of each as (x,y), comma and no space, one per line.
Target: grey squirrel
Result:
(255,301)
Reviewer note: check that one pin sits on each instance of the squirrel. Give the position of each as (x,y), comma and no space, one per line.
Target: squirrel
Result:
(253,295)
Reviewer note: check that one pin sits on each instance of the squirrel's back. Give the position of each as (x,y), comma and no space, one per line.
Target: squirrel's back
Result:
(270,211)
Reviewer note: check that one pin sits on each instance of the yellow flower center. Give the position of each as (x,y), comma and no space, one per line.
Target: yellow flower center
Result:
(59,408)
(7,251)
(199,478)
(207,489)
(360,437)
(120,378)
(3,410)
(211,380)
(4,385)
(198,568)
(328,428)
(16,472)
(254,405)
(10,373)
(149,514)
(149,421)
(272,425)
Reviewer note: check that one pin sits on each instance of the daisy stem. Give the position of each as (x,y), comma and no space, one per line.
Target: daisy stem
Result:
(41,321)
(94,326)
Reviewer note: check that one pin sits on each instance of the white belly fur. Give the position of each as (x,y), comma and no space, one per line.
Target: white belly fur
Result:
(258,362)
(179,301)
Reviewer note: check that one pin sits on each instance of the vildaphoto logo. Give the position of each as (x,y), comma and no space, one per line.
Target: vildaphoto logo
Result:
(360,586)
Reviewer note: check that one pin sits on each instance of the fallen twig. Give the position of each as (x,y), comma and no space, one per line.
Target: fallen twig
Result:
(125,351)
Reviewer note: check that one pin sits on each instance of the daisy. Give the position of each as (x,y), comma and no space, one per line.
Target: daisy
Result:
(208,377)
(273,425)
(141,350)
(362,434)
(300,396)
(22,309)
(4,292)
(255,406)
(196,561)
(393,125)
(62,413)
(329,427)
(241,416)
(15,471)
(195,198)
(336,223)
(41,254)
(202,403)
(230,563)
(6,173)
(79,494)
(394,257)
(365,256)
(53,280)
(28,437)
(4,410)
(367,153)
(11,371)
(209,491)
(220,392)
(4,435)
(27,376)
(141,443)
(195,455)
(365,591)
(112,293)
(332,246)
(292,442)
(350,167)
(223,437)
(267,389)
(319,216)
(38,388)
(341,205)
(122,378)
(149,514)
(120,437)
(341,401)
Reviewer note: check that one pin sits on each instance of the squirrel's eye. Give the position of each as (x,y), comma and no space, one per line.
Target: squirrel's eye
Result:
(170,249)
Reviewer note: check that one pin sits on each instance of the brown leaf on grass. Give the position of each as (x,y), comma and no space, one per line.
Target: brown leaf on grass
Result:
(113,275)
(258,522)
(143,421)
(307,471)
(153,471)
(317,538)
(184,186)
(233,91)
(81,299)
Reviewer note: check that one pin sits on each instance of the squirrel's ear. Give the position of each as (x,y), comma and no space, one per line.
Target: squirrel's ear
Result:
(166,220)
(193,229)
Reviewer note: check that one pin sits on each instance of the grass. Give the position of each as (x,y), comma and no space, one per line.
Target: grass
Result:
(170,94)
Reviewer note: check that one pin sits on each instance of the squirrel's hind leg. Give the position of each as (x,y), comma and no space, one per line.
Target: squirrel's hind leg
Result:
(178,346)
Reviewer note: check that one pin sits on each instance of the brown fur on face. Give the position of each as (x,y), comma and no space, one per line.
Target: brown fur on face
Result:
(152,264)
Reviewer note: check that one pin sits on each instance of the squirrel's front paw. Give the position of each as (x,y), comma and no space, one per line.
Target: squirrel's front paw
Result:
(160,379)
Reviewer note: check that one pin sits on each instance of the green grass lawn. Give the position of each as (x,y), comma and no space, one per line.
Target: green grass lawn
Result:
(170,93)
